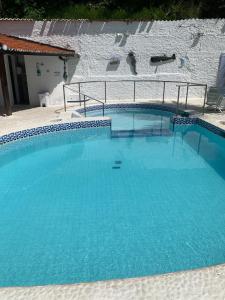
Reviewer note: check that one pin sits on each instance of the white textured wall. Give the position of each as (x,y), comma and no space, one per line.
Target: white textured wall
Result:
(50,80)
(198,43)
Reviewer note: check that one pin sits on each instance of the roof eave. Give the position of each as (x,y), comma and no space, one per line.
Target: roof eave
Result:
(38,53)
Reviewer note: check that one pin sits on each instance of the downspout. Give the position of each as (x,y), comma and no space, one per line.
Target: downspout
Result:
(4,83)
(65,74)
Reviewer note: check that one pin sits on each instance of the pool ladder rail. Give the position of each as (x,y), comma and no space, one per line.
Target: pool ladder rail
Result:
(83,98)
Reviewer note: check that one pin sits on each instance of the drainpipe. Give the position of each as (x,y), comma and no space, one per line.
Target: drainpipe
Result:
(65,74)
(4,83)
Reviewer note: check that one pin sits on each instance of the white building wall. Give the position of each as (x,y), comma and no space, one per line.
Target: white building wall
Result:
(50,78)
(197,44)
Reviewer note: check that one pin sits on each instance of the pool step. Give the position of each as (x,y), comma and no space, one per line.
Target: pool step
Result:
(140,133)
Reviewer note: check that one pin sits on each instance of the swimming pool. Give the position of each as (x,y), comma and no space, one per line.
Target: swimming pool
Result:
(80,206)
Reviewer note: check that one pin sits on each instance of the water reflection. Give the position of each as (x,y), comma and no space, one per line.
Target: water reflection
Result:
(15,150)
(209,146)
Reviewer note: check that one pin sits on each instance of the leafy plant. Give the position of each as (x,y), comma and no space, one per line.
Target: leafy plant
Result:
(113,9)
(33,12)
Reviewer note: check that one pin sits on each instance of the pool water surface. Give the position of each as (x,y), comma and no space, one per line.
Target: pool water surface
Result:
(79,206)
(135,118)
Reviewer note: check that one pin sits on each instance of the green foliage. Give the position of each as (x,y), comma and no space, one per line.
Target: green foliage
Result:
(182,11)
(150,14)
(81,11)
(113,9)
(22,9)
(33,12)
(213,8)
(118,14)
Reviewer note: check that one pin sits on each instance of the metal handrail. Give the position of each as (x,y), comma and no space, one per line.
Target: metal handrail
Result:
(179,85)
(86,99)
(137,80)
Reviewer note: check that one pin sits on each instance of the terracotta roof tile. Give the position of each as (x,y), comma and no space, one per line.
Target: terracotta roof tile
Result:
(20,45)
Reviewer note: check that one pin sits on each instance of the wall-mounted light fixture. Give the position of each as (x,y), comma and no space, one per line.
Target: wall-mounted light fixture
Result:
(115,59)
(3,47)
(119,35)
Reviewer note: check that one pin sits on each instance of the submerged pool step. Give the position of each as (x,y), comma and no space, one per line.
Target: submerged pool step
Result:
(140,133)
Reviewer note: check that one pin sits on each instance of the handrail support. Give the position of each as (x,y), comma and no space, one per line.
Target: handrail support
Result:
(85,113)
(87,97)
(186,99)
(64,98)
(205,96)
(178,99)
(164,86)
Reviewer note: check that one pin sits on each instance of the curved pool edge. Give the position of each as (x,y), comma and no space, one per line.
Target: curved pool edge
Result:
(176,119)
(75,125)
(94,122)
(157,106)
(204,283)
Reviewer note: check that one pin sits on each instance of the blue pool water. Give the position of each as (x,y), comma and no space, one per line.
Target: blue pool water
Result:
(81,206)
(135,118)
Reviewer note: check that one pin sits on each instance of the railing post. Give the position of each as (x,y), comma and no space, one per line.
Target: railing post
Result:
(164,86)
(103,109)
(105,92)
(186,95)
(85,106)
(178,99)
(205,96)
(64,97)
(79,92)
(179,85)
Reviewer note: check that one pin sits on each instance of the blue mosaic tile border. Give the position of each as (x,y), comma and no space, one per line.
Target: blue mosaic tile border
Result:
(128,105)
(195,120)
(175,120)
(183,120)
(178,120)
(211,127)
(52,128)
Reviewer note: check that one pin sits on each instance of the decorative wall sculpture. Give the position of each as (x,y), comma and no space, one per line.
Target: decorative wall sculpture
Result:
(162,58)
(132,61)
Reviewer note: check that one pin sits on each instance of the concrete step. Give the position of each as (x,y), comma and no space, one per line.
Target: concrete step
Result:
(140,133)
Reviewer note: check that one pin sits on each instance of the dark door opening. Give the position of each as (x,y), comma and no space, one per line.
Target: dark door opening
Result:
(18,79)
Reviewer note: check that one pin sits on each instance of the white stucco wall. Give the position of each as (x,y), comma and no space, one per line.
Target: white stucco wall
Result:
(198,45)
(50,80)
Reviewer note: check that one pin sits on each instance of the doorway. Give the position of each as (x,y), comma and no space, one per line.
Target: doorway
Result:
(18,79)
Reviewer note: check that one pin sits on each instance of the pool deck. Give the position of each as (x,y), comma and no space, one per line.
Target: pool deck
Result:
(206,283)
(29,117)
